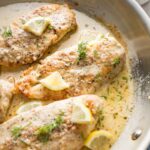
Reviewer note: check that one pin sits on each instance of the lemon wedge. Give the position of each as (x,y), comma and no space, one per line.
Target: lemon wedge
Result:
(54,82)
(36,25)
(98,140)
(28,106)
(81,114)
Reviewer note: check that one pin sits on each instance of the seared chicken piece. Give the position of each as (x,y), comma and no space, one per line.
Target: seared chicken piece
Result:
(18,46)
(49,127)
(5,98)
(83,68)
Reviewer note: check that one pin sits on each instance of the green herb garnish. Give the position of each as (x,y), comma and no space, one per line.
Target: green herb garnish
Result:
(100,119)
(82,50)
(7,32)
(98,78)
(95,53)
(116,61)
(44,132)
(23,21)
(102,36)
(125,78)
(16,131)
(39,21)
(105,97)
(120,97)
(50,27)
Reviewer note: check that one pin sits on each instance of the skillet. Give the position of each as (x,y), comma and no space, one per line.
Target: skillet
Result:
(134,26)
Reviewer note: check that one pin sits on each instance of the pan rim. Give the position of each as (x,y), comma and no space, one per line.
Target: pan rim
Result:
(145,20)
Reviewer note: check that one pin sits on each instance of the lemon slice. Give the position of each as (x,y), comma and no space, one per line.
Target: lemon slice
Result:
(36,25)
(99,140)
(54,82)
(28,106)
(81,114)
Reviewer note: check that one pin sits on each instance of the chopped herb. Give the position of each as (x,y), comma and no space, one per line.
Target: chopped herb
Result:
(16,131)
(82,50)
(98,77)
(82,135)
(120,97)
(50,27)
(39,21)
(100,119)
(105,97)
(125,78)
(23,21)
(44,132)
(7,32)
(95,53)
(102,36)
(116,62)
(62,113)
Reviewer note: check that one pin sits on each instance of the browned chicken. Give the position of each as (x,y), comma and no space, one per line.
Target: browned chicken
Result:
(49,127)
(81,69)
(5,98)
(18,46)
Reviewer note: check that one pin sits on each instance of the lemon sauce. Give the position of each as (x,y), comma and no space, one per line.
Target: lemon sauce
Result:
(117,94)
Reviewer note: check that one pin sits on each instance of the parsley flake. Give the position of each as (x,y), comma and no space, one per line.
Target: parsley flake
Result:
(125,78)
(50,27)
(16,131)
(102,36)
(23,21)
(82,50)
(105,97)
(44,132)
(100,119)
(116,61)
(7,32)
(95,53)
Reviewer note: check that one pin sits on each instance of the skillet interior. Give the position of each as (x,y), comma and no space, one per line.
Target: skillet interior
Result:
(137,36)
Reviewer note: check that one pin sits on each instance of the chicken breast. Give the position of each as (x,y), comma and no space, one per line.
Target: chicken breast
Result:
(31,130)
(5,98)
(83,67)
(18,46)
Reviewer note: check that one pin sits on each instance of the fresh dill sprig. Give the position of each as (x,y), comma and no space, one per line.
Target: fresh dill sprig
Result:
(44,132)
(116,61)
(100,119)
(82,51)
(7,32)
(95,53)
(16,131)
(50,27)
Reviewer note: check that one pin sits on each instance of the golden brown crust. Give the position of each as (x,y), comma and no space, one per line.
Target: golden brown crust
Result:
(84,77)
(23,47)
(67,136)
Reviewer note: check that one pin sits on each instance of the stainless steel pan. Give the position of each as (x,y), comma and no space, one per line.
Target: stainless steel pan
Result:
(134,25)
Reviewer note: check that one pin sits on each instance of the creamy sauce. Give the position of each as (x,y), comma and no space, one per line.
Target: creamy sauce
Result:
(117,95)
